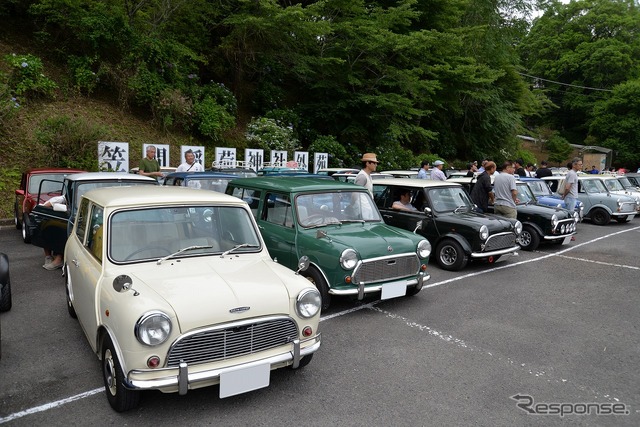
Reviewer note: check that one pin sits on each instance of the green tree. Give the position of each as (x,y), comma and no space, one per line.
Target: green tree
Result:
(559,149)
(616,123)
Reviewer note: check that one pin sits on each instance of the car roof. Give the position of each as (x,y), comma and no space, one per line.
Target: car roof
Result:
(35,171)
(106,176)
(199,175)
(136,196)
(415,183)
(295,184)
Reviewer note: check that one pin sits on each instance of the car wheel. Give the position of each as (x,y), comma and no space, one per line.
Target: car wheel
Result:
(16,216)
(305,361)
(120,398)
(5,281)
(67,286)
(318,281)
(451,256)
(623,219)
(529,238)
(600,217)
(26,234)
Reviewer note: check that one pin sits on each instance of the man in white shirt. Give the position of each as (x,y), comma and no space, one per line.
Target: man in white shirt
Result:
(436,172)
(190,165)
(369,164)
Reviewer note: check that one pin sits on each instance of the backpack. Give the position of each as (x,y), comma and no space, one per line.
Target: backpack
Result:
(561,187)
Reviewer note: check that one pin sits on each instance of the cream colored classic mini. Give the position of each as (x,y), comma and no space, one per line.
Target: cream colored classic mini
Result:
(175,290)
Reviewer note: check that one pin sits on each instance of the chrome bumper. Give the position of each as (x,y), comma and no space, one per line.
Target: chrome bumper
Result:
(494,253)
(363,289)
(170,378)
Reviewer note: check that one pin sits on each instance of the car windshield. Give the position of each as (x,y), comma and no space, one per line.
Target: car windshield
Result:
(626,183)
(155,233)
(613,185)
(318,209)
(213,184)
(448,199)
(539,188)
(51,183)
(593,186)
(524,193)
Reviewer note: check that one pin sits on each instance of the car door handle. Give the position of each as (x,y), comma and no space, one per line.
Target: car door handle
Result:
(75,262)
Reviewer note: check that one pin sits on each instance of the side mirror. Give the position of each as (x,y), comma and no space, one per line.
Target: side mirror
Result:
(124,283)
(427,211)
(303,264)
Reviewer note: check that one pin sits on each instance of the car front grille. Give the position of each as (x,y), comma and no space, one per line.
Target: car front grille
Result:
(232,340)
(386,268)
(628,207)
(500,241)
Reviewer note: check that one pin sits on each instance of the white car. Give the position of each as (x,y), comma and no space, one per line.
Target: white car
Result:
(175,290)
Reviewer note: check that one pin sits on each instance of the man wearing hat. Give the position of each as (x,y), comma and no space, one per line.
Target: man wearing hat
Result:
(436,172)
(369,164)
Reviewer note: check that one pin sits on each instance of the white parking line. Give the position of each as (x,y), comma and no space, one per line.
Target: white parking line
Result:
(371,306)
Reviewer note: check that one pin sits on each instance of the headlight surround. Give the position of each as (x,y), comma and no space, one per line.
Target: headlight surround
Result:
(484,233)
(576,216)
(424,249)
(153,328)
(518,227)
(554,220)
(348,259)
(308,303)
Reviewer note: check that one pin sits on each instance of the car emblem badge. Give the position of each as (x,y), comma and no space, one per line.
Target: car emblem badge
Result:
(389,248)
(239,309)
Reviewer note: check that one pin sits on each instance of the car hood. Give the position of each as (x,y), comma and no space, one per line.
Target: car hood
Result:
(204,290)
(494,223)
(366,238)
(553,200)
(533,209)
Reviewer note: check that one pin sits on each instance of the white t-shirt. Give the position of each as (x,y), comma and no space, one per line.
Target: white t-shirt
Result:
(186,167)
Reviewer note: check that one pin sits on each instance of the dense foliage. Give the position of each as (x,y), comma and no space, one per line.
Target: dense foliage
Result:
(408,79)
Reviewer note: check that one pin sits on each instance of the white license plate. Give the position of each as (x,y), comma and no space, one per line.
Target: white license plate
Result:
(566,240)
(393,290)
(242,380)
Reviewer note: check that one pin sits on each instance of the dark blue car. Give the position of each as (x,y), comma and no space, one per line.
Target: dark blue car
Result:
(208,180)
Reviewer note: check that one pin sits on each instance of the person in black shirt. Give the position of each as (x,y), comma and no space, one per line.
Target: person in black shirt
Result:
(482,191)
(520,169)
(543,170)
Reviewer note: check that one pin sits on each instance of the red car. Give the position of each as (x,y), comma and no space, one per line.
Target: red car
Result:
(44,181)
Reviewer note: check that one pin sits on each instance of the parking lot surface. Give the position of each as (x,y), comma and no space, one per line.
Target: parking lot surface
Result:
(536,339)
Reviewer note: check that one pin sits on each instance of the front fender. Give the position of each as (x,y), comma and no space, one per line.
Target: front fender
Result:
(466,247)
(536,227)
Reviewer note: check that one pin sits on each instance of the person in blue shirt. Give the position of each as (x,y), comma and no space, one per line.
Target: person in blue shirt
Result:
(594,170)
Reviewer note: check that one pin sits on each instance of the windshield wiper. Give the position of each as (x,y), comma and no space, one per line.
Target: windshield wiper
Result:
(465,207)
(188,248)
(241,245)
(353,220)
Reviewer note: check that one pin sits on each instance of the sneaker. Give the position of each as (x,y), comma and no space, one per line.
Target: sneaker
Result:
(47,260)
(53,266)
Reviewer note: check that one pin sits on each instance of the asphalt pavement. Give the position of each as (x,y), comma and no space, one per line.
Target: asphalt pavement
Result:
(541,338)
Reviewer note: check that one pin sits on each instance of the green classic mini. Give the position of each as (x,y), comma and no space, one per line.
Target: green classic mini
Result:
(338,226)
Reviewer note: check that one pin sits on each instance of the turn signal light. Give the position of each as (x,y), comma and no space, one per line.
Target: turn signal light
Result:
(153,362)
(307,331)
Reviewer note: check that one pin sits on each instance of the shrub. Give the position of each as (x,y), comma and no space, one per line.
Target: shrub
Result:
(338,156)
(173,108)
(83,77)
(27,77)
(268,134)
(8,105)
(212,118)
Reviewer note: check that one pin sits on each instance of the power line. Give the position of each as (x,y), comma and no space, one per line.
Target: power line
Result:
(565,84)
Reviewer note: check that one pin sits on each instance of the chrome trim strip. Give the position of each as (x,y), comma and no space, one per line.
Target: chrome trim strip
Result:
(494,253)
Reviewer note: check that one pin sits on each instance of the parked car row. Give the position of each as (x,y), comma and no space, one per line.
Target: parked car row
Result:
(178,288)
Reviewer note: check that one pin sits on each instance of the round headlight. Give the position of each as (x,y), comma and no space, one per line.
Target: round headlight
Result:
(484,233)
(554,220)
(518,227)
(308,303)
(563,228)
(153,328)
(576,216)
(424,249)
(348,259)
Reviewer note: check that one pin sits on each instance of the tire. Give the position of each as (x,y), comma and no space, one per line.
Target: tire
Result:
(16,216)
(5,294)
(304,361)
(450,255)
(26,234)
(623,219)
(318,281)
(120,398)
(529,239)
(67,286)
(600,216)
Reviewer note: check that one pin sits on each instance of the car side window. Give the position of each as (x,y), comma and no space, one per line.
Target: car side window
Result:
(83,214)
(278,209)
(95,237)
